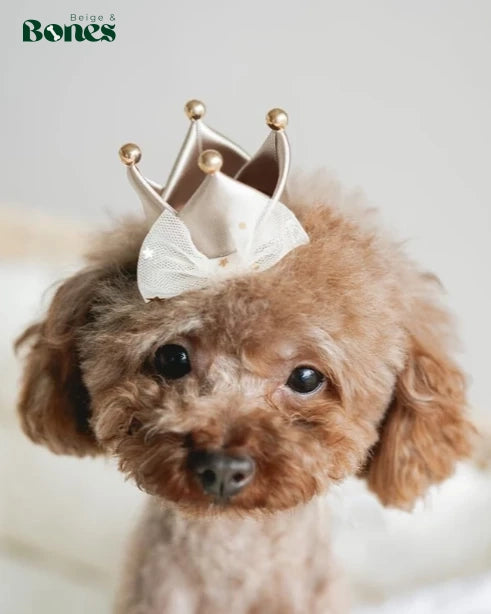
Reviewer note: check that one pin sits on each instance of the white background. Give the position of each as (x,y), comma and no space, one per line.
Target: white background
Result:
(394,96)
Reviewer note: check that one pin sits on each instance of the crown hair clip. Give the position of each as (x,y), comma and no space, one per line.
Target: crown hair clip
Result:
(219,214)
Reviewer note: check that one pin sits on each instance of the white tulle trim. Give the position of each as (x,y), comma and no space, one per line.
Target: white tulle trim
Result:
(170,264)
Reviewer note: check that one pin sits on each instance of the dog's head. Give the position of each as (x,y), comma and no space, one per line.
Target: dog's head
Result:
(257,392)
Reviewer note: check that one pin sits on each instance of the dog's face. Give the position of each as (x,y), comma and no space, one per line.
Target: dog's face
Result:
(245,372)
(258,392)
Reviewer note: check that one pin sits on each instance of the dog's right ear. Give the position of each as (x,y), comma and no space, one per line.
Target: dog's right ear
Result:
(54,404)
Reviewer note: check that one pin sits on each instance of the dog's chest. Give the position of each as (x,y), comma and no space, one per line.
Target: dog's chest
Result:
(230,565)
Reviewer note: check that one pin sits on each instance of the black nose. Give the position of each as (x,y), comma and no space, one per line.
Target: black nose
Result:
(221,475)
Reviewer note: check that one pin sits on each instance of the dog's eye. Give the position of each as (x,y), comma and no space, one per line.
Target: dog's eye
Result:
(304,380)
(172,361)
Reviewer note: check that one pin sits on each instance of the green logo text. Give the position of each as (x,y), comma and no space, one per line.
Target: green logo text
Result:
(34,31)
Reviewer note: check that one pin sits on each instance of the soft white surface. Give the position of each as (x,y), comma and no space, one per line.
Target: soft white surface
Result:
(389,552)
(64,521)
(28,587)
(471,596)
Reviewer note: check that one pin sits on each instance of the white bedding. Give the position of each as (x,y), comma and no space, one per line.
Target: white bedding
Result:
(458,596)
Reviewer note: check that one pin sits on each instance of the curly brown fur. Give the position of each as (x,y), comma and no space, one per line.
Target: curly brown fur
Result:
(350,304)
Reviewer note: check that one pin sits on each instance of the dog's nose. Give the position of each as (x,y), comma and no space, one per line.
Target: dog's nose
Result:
(219,474)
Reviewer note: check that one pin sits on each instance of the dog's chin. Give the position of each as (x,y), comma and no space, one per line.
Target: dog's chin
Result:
(223,508)
(215,507)
(243,505)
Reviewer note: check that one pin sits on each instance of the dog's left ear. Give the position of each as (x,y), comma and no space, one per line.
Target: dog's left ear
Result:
(425,430)
(54,405)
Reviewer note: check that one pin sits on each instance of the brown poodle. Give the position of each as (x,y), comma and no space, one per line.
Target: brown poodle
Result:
(235,406)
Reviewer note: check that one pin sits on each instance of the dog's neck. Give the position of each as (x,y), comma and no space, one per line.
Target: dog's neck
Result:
(276,557)
(224,544)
